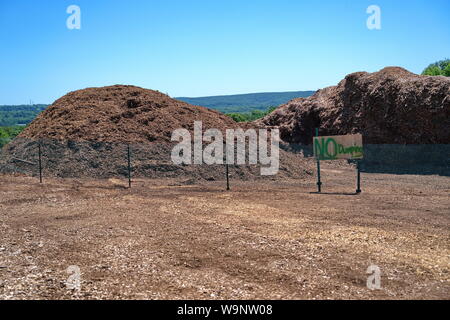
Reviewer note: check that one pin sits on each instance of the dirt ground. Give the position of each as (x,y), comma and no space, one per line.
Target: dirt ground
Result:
(165,240)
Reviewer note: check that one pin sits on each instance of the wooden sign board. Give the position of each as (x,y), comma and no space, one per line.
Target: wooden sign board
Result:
(339,147)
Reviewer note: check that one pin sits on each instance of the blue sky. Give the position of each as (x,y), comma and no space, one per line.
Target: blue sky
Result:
(210,47)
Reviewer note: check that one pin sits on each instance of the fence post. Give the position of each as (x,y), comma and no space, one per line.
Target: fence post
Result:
(227,171)
(358,177)
(228,177)
(319,183)
(129,165)
(40,161)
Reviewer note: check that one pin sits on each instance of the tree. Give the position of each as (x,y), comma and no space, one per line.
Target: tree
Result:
(250,116)
(238,117)
(447,71)
(9,133)
(440,68)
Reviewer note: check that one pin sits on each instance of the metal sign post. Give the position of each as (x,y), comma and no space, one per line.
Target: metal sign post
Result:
(319,183)
(348,147)
(358,177)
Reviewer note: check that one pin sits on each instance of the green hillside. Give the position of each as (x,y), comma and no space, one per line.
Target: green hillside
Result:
(19,115)
(241,103)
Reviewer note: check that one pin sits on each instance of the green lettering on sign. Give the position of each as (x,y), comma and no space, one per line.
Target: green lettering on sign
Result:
(338,147)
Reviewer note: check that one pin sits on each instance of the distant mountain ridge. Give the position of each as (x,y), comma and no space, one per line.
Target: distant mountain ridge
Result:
(246,102)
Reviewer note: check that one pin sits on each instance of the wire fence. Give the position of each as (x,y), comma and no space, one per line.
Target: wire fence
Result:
(92,159)
(423,159)
(103,160)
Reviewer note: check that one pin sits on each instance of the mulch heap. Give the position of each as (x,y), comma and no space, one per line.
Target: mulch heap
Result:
(392,106)
(404,119)
(86,133)
(120,114)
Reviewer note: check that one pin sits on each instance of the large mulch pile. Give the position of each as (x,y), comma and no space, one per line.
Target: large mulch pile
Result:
(85,134)
(120,114)
(392,106)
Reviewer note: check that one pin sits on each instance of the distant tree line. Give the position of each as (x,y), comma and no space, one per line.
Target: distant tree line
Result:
(250,116)
(440,68)
(19,115)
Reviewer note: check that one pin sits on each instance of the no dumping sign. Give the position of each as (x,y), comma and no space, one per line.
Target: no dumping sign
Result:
(339,147)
